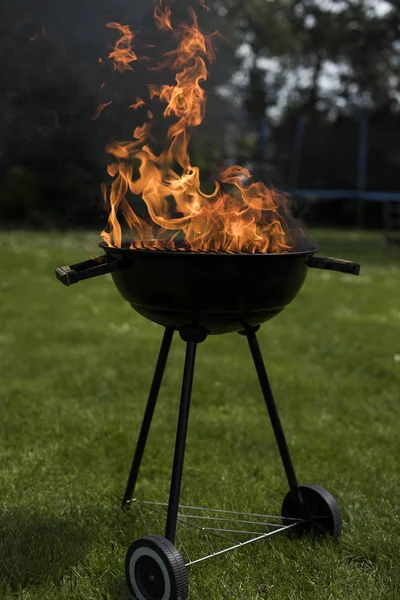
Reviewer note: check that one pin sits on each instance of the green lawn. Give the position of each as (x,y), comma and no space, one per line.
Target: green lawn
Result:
(76,365)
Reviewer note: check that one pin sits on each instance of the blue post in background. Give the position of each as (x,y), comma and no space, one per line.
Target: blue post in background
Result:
(263,147)
(298,147)
(362,160)
(264,140)
(296,161)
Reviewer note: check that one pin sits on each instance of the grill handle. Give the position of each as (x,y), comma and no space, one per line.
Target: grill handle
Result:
(334,264)
(87,269)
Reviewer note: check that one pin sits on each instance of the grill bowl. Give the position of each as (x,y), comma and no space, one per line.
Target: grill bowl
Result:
(219,292)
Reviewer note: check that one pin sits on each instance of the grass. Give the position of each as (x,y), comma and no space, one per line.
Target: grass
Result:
(76,365)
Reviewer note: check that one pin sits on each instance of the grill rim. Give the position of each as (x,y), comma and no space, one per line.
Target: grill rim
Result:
(131,251)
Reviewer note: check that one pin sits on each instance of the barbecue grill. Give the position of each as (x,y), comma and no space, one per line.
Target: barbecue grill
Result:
(199,294)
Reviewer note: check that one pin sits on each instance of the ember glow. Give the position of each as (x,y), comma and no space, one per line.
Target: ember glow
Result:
(240,215)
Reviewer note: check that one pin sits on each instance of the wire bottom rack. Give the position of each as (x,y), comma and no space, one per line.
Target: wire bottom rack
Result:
(219,531)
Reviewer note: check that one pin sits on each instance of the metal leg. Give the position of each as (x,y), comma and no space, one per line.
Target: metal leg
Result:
(273,415)
(148,415)
(176,479)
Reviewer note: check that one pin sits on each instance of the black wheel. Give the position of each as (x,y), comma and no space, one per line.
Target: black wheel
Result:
(155,570)
(322,513)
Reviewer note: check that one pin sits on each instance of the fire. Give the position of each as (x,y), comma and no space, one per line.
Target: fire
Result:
(162,16)
(100,109)
(139,102)
(122,54)
(39,35)
(240,215)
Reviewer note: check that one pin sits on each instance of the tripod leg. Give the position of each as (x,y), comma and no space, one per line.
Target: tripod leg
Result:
(176,479)
(273,415)
(148,415)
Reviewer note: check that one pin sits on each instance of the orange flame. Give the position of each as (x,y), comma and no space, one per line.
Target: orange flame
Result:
(139,102)
(99,110)
(39,35)
(238,216)
(122,54)
(162,16)
(204,5)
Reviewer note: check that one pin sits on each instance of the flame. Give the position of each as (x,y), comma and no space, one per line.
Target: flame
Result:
(204,5)
(162,16)
(39,35)
(99,110)
(240,215)
(139,102)
(122,54)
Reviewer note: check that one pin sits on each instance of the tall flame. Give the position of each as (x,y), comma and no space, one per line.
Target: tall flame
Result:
(238,216)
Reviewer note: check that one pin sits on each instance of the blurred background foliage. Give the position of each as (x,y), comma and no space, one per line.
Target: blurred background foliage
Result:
(330,61)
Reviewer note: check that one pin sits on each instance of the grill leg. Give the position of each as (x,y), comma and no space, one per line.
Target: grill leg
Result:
(273,415)
(148,415)
(176,479)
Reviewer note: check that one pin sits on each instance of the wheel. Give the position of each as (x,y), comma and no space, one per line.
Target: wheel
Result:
(322,512)
(155,570)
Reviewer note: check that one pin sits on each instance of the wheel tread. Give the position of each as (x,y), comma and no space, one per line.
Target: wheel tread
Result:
(174,559)
(180,564)
(289,509)
(333,506)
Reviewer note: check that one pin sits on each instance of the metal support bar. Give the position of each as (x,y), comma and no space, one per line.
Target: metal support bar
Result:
(176,479)
(148,415)
(273,415)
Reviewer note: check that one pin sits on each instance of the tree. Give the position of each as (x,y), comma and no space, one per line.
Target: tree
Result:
(321,55)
